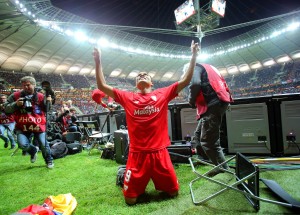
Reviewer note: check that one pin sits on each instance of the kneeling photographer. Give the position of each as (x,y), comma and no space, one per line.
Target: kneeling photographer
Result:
(67,120)
(30,108)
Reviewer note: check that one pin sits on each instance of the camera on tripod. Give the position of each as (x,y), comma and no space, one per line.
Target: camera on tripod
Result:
(27,102)
(114,106)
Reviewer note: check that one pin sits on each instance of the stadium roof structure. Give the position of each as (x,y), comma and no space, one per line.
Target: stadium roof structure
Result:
(36,37)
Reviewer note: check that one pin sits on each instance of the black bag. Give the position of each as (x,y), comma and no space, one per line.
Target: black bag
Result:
(121,143)
(74,148)
(54,141)
(120,175)
(108,153)
(59,150)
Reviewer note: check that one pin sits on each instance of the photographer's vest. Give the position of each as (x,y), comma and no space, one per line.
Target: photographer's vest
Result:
(64,123)
(218,84)
(34,121)
(5,118)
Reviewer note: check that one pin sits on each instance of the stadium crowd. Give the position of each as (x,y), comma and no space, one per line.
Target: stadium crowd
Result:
(277,79)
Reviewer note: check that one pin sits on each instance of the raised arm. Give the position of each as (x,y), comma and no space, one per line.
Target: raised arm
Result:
(101,83)
(187,77)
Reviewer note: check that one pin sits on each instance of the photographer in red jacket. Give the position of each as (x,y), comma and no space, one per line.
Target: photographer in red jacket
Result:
(210,95)
(29,108)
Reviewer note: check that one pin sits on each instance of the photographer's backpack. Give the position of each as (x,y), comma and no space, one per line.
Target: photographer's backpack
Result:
(58,149)
(120,175)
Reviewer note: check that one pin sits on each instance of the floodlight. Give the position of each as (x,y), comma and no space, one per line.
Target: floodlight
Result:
(255,65)
(81,36)
(133,74)
(269,62)
(283,59)
(103,42)
(115,73)
(293,26)
(168,75)
(232,70)
(244,68)
(69,32)
(296,55)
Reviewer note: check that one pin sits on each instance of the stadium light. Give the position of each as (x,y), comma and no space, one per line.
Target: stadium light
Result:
(296,55)
(103,42)
(168,75)
(293,26)
(80,36)
(43,23)
(203,56)
(92,41)
(269,62)
(152,73)
(223,71)
(244,68)
(84,71)
(256,65)
(115,73)
(74,69)
(232,70)
(133,74)
(69,32)
(114,46)
(283,59)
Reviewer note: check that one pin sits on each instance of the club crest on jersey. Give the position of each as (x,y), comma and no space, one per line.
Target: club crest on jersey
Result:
(154,98)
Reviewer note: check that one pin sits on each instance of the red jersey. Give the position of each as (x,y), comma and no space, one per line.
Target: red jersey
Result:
(31,122)
(147,117)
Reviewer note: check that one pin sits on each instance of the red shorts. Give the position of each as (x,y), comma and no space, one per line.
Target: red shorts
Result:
(143,166)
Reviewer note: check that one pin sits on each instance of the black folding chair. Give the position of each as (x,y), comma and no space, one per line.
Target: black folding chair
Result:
(247,183)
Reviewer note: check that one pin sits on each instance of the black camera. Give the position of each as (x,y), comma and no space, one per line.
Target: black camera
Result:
(27,102)
(46,86)
(114,106)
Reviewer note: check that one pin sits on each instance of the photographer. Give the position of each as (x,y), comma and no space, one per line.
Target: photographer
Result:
(68,120)
(29,108)
(7,123)
(47,90)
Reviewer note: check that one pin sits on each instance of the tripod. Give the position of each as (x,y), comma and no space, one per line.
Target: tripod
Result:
(100,135)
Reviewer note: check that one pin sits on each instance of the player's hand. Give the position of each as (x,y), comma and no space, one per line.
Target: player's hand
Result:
(96,55)
(194,47)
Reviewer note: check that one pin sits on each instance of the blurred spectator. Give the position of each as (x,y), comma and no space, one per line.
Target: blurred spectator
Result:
(7,123)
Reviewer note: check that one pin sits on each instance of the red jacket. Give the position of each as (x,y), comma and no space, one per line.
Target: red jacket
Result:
(35,121)
(219,85)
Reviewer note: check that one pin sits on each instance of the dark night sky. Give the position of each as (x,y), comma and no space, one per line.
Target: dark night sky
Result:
(160,14)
